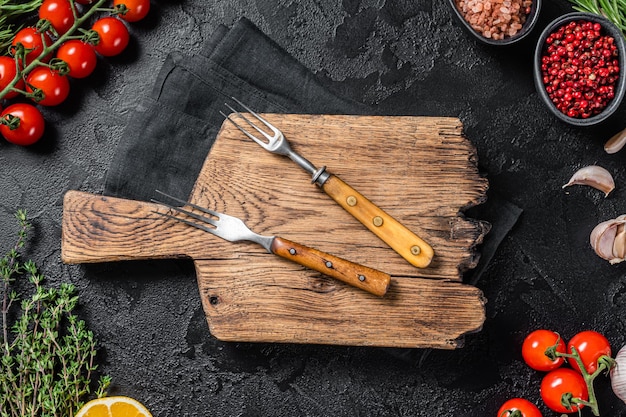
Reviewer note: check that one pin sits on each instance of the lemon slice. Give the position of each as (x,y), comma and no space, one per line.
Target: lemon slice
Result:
(117,406)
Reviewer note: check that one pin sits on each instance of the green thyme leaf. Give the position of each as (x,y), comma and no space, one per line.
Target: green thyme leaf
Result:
(12,15)
(47,354)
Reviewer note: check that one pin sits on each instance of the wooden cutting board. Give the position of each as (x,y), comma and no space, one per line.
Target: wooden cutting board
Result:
(421,170)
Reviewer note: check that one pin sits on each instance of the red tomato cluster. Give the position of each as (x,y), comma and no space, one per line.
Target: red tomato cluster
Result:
(561,387)
(46,85)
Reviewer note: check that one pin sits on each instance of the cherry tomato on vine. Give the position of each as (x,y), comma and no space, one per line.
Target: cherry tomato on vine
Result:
(7,74)
(591,346)
(79,56)
(58,13)
(137,9)
(34,41)
(534,348)
(31,124)
(114,36)
(563,381)
(523,407)
(54,86)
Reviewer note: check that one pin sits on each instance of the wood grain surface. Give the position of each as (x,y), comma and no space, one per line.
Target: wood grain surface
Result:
(420,170)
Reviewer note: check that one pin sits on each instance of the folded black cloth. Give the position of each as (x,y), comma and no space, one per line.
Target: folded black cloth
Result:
(172,132)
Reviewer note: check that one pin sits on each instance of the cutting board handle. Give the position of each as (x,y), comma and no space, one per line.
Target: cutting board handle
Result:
(97,228)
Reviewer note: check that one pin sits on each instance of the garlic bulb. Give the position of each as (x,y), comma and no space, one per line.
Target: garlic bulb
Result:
(594,176)
(618,375)
(608,239)
(616,143)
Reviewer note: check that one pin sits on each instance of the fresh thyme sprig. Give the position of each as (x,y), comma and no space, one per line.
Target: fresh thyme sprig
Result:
(47,358)
(613,10)
(12,14)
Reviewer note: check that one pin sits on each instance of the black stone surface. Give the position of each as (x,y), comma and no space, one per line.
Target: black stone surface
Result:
(402,58)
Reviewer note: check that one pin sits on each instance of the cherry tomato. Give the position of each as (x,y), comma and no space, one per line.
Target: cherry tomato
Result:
(523,406)
(137,9)
(590,346)
(58,13)
(563,381)
(114,36)
(79,56)
(7,74)
(534,348)
(31,39)
(31,125)
(55,87)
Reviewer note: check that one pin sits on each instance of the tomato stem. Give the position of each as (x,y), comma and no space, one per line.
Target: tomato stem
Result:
(22,73)
(11,121)
(511,413)
(605,363)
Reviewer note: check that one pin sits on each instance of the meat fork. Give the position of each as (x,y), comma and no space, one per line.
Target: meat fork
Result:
(234,229)
(408,245)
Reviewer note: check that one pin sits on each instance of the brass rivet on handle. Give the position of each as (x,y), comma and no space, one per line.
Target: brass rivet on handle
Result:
(378,221)
(416,250)
(351,200)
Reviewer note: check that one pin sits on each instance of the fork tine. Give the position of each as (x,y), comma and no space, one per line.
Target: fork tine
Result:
(203,219)
(244,131)
(255,114)
(188,203)
(250,122)
(196,216)
(267,124)
(190,223)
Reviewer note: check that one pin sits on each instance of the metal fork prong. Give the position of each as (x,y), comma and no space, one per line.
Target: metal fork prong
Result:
(255,114)
(189,222)
(244,131)
(204,219)
(188,203)
(276,133)
(251,124)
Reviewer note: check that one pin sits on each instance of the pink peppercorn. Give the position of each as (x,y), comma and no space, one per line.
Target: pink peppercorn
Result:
(580,69)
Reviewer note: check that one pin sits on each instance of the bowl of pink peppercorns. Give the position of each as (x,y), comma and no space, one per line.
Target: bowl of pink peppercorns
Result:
(497,22)
(579,68)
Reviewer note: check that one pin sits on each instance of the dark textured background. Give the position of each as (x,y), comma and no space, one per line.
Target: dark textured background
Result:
(404,58)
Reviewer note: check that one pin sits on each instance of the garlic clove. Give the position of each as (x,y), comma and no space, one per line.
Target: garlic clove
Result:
(602,238)
(593,176)
(618,375)
(616,143)
(619,244)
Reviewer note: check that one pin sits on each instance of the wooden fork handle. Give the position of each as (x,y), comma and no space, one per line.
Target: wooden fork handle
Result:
(360,276)
(408,245)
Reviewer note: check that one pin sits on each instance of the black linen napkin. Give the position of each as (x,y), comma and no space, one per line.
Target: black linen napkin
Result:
(166,142)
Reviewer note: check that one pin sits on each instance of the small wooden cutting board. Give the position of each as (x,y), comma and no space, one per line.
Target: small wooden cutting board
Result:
(421,170)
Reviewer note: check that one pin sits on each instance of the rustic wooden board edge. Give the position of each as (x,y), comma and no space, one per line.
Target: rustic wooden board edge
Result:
(410,325)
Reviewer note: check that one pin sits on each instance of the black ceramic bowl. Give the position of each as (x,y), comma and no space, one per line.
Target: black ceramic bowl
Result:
(531,20)
(609,29)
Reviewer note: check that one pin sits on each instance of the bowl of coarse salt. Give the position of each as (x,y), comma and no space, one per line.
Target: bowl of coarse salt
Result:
(497,22)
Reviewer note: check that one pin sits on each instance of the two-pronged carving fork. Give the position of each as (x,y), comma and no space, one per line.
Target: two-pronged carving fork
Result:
(408,245)
(233,229)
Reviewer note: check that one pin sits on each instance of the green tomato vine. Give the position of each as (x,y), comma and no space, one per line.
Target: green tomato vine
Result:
(13,16)
(75,32)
